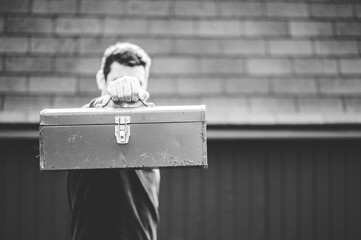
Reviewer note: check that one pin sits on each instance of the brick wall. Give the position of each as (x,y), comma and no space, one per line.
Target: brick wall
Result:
(238,57)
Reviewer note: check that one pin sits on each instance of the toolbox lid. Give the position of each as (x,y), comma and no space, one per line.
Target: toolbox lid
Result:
(95,116)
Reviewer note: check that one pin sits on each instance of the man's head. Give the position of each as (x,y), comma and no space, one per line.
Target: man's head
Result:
(123,59)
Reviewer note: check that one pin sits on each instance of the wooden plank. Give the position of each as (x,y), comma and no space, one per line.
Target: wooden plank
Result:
(28,170)
(338,192)
(353,202)
(211,195)
(2,188)
(290,162)
(11,194)
(194,203)
(226,199)
(44,206)
(275,167)
(307,192)
(61,208)
(178,207)
(241,168)
(257,193)
(323,204)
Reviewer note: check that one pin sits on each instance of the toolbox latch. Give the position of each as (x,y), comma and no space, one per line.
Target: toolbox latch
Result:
(122,129)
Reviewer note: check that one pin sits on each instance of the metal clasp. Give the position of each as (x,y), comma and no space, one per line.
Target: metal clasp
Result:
(122,129)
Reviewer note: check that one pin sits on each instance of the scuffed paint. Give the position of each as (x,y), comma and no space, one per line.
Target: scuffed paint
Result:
(41,149)
(73,138)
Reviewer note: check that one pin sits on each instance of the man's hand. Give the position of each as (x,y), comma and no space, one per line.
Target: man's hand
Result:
(125,89)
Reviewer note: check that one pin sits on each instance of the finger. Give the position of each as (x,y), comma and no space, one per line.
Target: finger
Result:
(127,92)
(135,90)
(112,92)
(120,93)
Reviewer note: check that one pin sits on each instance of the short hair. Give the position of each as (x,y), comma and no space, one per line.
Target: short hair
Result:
(124,53)
(127,58)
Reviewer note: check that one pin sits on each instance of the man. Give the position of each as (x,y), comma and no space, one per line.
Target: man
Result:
(116,204)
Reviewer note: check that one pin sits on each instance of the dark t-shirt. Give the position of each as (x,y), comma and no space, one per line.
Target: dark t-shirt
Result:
(113,204)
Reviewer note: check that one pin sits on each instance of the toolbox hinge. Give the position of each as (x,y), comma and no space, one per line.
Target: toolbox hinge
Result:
(122,129)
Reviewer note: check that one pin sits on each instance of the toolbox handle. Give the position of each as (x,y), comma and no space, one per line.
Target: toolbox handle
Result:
(107,100)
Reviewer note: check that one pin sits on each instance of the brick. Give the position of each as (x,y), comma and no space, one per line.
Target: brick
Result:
(77,26)
(350,66)
(265,28)
(269,66)
(331,10)
(197,46)
(272,104)
(340,86)
(13,45)
(149,8)
(13,6)
(88,86)
(53,45)
(29,25)
(358,10)
(316,66)
(77,65)
(294,86)
(243,47)
(162,86)
(317,104)
(195,8)
(21,103)
(12,84)
(223,110)
(19,117)
(220,28)
(199,87)
(311,29)
(1,24)
(89,45)
(336,47)
(125,26)
(353,104)
(348,28)
(54,6)
(172,27)
(103,7)
(174,100)
(52,85)
(153,45)
(174,65)
(71,102)
(28,64)
(287,10)
(290,47)
(150,45)
(249,9)
(221,66)
(235,86)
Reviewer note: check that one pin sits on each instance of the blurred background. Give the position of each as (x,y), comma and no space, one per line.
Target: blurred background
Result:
(281,81)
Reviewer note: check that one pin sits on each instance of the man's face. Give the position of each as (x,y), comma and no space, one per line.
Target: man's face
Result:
(118,71)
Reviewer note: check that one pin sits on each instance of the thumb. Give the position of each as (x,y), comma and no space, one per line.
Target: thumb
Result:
(143,95)
(106,100)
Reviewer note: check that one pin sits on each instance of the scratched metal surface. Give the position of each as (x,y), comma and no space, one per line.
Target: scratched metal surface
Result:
(150,145)
(158,114)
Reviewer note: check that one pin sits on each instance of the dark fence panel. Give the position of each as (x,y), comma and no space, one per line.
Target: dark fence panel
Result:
(298,189)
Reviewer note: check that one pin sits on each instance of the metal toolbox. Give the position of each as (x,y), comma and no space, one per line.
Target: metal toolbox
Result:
(145,137)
